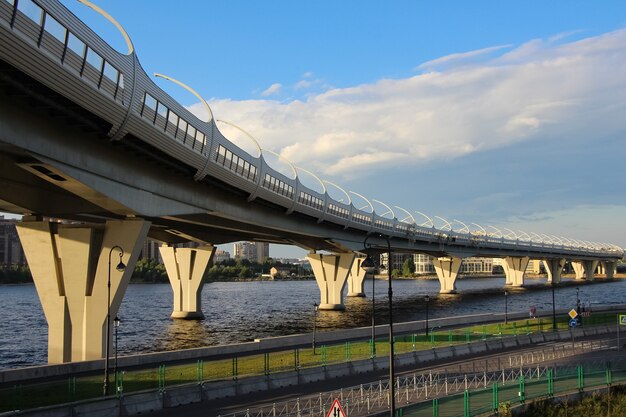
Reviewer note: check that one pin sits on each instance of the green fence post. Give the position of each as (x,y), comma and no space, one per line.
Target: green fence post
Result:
(347,351)
(581,378)
(296,359)
(500,330)
(161,377)
(515,328)
(527,328)
(467,335)
(199,370)
(323,355)
(266,363)
(432,339)
(372,348)
(450,337)
(484,332)
(541,325)
(550,383)
(608,374)
(413,339)
(235,366)
(119,383)
(494,396)
(71,388)
(466,404)
(435,407)
(522,394)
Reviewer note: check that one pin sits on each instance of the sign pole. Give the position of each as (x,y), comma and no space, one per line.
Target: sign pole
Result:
(618,323)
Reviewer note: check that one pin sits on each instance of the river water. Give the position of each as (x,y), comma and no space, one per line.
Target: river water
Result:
(243,311)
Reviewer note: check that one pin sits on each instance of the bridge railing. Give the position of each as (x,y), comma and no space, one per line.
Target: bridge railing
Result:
(115,87)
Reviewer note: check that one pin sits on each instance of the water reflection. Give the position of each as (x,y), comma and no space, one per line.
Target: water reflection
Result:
(243,311)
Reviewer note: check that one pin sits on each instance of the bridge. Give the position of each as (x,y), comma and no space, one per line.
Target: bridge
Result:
(88,137)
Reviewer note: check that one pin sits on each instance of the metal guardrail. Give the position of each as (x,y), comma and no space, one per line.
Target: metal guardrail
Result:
(46,41)
(427,388)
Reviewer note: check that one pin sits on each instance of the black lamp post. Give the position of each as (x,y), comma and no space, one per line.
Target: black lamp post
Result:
(116,325)
(368,265)
(578,305)
(120,267)
(506,307)
(427,303)
(315,308)
(553,309)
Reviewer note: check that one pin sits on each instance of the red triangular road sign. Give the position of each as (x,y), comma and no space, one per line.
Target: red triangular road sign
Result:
(336,410)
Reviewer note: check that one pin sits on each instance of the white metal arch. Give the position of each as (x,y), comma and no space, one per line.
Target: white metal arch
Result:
(292,166)
(481,228)
(535,235)
(498,231)
(364,199)
(408,215)
(464,229)
(548,239)
(314,176)
(428,220)
(524,235)
(389,210)
(101,11)
(191,90)
(511,233)
(446,223)
(248,135)
(342,190)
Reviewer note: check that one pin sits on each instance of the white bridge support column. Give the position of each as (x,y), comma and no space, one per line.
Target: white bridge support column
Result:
(331,273)
(70,268)
(607,268)
(185,268)
(554,268)
(584,269)
(447,270)
(356,279)
(514,270)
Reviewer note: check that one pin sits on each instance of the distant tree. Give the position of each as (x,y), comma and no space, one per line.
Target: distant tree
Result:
(408,267)
(395,273)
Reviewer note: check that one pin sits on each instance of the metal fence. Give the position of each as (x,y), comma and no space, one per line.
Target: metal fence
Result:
(452,392)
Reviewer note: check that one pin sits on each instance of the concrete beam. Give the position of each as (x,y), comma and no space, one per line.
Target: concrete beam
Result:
(447,271)
(584,269)
(71,265)
(514,269)
(356,279)
(185,268)
(331,273)
(554,268)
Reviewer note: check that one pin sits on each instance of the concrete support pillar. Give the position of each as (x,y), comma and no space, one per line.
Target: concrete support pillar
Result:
(447,270)
(70,268)
(185,268)
(607,268)
(584,269)
(331,273)
(356,279)
(514,269)
(554,267)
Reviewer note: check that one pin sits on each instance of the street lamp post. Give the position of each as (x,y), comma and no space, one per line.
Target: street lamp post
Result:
(373,317)
(553,309)
(120,267)
(427,303)
(116,325)
(315,308)
(506,307)
(580,319)
(368,265)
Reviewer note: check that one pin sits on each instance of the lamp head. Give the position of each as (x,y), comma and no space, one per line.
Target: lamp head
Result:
(116,321)
(121,266)
(427,298)
(315,306)
(368,264)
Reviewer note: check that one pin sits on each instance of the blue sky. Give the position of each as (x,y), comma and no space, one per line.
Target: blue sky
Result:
(500,113)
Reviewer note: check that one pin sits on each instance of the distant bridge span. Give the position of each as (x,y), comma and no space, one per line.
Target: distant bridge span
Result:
(87,136)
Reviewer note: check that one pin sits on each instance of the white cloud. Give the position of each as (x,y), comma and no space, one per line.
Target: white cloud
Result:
(462,56)
(272,90)
(570,91)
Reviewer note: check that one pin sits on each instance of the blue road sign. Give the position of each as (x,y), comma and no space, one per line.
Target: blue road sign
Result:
(573,323)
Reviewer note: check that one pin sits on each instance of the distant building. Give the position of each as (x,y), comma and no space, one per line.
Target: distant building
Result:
(11,252)
(220,256)
(252,251)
